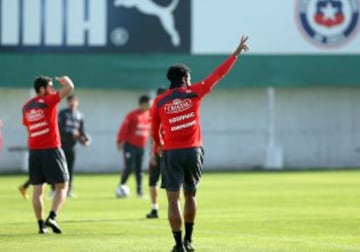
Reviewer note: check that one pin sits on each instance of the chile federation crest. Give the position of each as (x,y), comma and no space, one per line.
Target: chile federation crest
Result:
(328,23)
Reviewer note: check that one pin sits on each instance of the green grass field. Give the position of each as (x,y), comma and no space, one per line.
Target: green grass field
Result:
(276,211)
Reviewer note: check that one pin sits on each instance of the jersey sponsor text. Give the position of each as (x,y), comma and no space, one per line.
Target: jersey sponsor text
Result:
(178,106)
(181,118)
(35,115)
(183,126)
(37,125)
(40,133)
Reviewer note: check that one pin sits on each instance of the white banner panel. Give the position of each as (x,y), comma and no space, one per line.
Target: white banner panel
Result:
(276,27)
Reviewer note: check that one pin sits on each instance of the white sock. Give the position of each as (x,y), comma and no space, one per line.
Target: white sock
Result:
(155,206)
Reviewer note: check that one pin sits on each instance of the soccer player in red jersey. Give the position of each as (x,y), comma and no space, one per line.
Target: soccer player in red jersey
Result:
(154,174)
(46,158)
(132,137)
(177,111)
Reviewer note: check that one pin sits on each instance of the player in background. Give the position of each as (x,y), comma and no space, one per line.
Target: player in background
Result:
(71,126)
(132,138)
(23,189)
(154,174)
(47,162)
(177,112)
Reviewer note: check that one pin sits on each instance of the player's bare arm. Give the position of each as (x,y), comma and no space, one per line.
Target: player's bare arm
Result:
(242,46)
(67,86)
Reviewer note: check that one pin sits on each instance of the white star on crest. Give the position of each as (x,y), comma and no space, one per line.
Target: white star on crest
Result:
(329,11)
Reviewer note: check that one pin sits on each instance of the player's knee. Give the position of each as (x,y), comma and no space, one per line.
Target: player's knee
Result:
(38,190)
(189,194)
(62,186)
(189,191)
(173,196)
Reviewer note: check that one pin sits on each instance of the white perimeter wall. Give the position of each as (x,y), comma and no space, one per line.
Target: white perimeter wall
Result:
(316,127)
(273,27)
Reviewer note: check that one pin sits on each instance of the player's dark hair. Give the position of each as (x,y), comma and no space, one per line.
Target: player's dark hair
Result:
(144,99)
(176,73)
(160,90)
(41,81)
(71,97)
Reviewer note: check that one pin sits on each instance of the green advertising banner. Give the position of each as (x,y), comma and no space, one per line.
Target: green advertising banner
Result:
(129,71)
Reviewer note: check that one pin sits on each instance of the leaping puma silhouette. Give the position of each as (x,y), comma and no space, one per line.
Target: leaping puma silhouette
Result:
(164,14)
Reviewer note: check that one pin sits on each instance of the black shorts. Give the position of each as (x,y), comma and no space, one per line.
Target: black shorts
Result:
(182,167)
(154,171)
(48,166)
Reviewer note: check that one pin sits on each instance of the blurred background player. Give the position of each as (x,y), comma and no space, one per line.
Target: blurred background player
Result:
(23,189)
(154,173)
(132,138)
(71,126)
(177,113)
(47,162)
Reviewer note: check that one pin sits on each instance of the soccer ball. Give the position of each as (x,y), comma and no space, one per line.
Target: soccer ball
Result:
(122,191)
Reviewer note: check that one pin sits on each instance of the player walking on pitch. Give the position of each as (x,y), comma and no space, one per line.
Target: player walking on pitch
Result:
(46,158)
(71,127)
(154,174)
(177,112)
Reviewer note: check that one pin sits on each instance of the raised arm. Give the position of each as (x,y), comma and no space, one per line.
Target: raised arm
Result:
(222,70)
(67,86)
(242,46)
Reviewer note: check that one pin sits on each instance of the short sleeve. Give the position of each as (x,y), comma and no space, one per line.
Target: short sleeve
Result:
(53,99)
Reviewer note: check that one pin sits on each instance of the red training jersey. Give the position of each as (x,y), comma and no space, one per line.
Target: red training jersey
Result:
(178,111)
(40,119)
(135,128)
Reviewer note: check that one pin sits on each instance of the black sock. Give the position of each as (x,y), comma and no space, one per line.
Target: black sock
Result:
(177,237)
(41,224)
(188,231)
(52,215)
